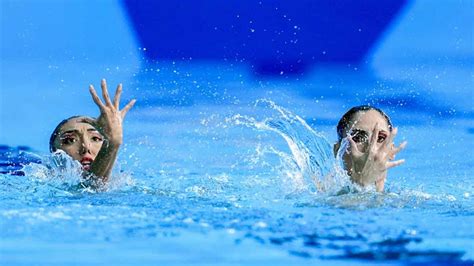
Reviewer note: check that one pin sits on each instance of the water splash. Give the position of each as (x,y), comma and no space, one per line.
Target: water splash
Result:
(311,166)
(57,170)
(62,173)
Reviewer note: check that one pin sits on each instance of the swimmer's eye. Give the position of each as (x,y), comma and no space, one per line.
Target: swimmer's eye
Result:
(68,140)
(97,139)
(359,138)
(381,138)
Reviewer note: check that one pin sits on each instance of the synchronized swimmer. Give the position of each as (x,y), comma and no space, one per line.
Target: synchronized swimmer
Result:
(95,143)
(371,150)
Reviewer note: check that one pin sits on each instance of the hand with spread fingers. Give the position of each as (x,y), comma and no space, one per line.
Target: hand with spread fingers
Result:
(370,166)
(110,119)
(109,123)
(371,151)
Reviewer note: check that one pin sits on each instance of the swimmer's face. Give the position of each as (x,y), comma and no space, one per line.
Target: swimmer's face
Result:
(360,129)
(362,126)
(80,140)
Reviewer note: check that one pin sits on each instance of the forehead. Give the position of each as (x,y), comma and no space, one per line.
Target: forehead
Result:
(76,124)
(368,119)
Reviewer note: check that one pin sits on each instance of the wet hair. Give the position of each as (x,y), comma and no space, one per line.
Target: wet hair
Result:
(56,131)
(349,115)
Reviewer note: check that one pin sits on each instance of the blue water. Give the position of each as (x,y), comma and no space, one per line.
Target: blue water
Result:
(220,166)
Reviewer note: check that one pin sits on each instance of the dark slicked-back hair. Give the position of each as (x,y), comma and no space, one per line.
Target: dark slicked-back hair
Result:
(56,132)
(349,115)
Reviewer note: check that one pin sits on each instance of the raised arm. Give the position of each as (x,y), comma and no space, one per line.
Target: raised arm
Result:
(109,123)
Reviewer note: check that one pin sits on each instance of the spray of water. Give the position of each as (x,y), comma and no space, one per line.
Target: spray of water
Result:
(56,167)
(58,170)
(312,165)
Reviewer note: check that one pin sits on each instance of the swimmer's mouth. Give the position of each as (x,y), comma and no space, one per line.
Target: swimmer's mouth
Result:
(86,163)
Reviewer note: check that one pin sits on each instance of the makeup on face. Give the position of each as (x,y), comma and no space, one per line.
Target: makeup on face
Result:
(363,126)
(81,141)
(69,137)
(362,136)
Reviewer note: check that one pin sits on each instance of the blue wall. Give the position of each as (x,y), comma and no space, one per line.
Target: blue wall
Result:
(274,36)
(108,30)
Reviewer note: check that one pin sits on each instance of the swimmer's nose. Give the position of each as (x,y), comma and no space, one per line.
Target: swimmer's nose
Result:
(85,147)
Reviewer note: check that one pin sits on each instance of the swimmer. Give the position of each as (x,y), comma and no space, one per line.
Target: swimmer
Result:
(371,151)
(94,142)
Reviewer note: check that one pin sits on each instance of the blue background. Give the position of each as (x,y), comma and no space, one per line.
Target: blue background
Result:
(51,50)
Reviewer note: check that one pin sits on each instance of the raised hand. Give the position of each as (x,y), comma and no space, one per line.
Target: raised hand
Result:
(111,117)
(109,123)
(370,166)
(394,150)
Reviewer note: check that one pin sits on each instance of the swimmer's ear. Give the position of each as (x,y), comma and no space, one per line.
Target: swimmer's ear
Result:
(336,147)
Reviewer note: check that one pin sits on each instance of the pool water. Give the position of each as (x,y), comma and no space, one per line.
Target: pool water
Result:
(218,167)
